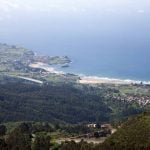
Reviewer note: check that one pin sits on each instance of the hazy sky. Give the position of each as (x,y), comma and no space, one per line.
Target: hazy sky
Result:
(72,7)
(68,22)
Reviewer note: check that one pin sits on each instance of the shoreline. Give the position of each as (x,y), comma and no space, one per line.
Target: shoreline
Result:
(84,79)
(46,67)
(106,80)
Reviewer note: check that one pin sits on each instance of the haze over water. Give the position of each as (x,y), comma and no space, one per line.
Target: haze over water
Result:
(108,38)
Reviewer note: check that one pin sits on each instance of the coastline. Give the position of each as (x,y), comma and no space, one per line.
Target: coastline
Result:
(105,80)
(84,79)
(46,67)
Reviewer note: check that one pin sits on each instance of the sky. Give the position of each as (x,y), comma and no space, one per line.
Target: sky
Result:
(69,22)
(73,7)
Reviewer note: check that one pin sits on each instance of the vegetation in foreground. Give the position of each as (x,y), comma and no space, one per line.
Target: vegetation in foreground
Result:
(132,135)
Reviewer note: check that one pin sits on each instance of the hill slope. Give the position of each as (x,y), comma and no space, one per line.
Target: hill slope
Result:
(134,134)
(26,102)
(63,102)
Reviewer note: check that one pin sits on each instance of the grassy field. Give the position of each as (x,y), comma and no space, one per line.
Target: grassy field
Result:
(134,90)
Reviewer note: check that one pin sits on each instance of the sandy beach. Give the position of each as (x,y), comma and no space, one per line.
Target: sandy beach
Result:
(89,79)
(46,67)
(101,80)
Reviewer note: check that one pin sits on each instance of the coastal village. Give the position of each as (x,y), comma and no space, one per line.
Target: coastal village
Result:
(141,100)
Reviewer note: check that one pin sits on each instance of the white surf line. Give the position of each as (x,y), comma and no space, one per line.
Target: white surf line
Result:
(30,79)
(46,67)
(96,80)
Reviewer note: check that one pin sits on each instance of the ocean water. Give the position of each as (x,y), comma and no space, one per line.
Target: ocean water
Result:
(121,66)
(123,63)
(106,46)
(127,62)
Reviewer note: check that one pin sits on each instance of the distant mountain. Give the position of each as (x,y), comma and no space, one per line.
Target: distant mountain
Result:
(133,135)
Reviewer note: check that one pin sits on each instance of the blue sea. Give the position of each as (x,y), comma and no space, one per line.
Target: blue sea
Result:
(123,65)
(106,46)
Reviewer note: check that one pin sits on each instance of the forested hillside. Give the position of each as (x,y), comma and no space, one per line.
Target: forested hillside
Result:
(131,135)
(134,134)
(61,103)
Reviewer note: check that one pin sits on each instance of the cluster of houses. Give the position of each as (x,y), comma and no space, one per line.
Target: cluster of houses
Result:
(141,100)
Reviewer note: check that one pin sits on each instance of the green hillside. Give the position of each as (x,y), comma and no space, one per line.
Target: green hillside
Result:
(71,103)
(133,135)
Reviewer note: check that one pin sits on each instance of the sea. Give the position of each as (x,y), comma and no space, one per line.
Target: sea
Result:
(114,47)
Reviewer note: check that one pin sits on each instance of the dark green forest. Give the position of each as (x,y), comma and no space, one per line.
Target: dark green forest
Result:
(65,103)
